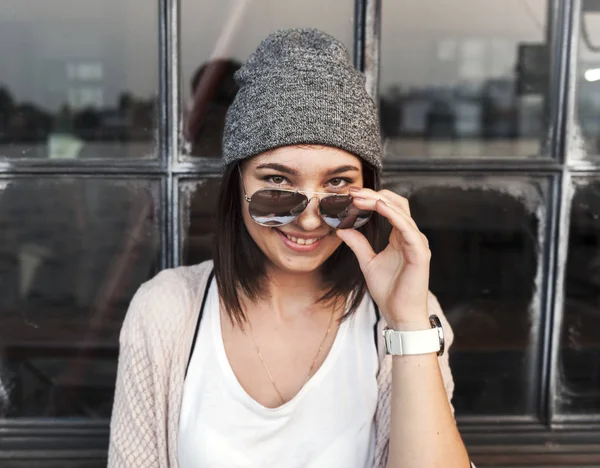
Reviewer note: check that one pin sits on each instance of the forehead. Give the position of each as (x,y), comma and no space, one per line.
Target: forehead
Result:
(308,160)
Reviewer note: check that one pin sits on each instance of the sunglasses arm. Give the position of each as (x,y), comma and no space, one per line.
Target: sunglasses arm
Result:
(246,197)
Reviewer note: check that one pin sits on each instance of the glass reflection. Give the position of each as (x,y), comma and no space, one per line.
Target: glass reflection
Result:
(72,253)
(579,371)
(78,86)
(485,238)
(464,79)
(212,50)
(586,140)
(197,206)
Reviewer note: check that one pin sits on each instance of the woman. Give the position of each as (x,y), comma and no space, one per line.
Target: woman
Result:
(279,360)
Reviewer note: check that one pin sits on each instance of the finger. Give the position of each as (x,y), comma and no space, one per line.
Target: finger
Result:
(396,199)
(412,237)
(391,198)
(371,204)
(359,244)
(350,218)
(371,197)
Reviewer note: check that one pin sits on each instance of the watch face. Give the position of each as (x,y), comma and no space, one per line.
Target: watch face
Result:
(435,322)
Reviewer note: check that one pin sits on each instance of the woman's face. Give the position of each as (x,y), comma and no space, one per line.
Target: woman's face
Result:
(303,245)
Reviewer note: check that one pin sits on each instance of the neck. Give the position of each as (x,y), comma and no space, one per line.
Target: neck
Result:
(289,294)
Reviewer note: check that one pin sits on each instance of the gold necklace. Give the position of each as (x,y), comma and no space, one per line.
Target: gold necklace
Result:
(312,366)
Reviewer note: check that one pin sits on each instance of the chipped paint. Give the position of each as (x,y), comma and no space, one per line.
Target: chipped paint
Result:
(531,196)
(562,248)
(187,191)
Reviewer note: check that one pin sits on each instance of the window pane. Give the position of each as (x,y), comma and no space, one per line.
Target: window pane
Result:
(218,35)
(579,365)
(72,253)
(78,79)
(197,205)
(486,236)
(464,79)
(585,132)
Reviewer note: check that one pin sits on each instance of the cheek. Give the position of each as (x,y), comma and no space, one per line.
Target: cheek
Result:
(333,242)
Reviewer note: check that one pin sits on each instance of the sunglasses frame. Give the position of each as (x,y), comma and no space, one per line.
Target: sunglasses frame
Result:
(301,192)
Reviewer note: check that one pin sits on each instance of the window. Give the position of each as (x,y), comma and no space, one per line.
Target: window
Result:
(464,79)
(72,253)
(578,372)
(78,70)
(111,116)
(485,235)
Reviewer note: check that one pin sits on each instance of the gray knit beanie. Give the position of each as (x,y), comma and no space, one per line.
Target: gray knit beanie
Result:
(300,87)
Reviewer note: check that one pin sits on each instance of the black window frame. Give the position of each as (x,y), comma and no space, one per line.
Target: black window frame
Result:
(492,441)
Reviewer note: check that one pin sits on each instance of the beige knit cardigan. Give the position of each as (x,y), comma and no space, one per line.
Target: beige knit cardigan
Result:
(155,344)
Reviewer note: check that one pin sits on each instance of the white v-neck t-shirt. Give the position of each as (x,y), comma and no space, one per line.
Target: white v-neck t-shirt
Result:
(328,424)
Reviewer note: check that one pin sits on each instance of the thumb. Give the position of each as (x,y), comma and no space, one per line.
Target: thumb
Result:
(359,244)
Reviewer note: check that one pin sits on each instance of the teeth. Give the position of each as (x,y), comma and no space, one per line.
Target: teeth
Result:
(302,241)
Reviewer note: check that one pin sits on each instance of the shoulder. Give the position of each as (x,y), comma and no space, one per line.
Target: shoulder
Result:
(165,303)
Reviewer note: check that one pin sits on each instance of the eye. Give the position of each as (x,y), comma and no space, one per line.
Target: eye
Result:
(275,179)
(339,182)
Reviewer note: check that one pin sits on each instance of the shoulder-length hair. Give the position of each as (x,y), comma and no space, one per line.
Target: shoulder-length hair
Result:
(239,264)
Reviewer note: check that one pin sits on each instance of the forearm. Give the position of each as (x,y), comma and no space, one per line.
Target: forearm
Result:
(423,431)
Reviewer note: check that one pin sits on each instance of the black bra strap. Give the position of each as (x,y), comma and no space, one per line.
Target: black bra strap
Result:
(208,282)
(375,334)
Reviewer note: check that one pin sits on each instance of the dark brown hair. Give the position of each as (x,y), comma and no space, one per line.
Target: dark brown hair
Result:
(240,264)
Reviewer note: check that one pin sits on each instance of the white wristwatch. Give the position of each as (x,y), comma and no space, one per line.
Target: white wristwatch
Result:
(406,343)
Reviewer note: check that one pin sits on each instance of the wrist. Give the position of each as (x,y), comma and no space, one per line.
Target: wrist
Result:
(415,324)
(413,337)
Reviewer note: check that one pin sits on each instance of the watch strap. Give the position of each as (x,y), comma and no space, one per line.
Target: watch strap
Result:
(404,343)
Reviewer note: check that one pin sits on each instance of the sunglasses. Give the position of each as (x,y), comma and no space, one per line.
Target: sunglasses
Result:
(277,207)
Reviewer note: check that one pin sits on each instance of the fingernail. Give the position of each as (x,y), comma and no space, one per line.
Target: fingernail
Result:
(359,198)
(355,189)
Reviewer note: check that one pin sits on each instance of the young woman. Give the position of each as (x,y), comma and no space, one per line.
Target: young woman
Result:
(275,354)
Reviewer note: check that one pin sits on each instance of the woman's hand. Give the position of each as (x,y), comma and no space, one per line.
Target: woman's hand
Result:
(397,277)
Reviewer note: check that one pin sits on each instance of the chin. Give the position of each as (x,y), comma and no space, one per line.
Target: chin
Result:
(297,265)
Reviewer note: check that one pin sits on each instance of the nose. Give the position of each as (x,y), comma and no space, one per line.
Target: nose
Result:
(310,219)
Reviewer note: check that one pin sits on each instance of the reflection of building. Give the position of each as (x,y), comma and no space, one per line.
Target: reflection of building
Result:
(53,68)
(56,84)
(22,122)
(476,105)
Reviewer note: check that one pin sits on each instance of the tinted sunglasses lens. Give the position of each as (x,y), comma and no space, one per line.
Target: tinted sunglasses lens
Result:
(340,212)
(276,207)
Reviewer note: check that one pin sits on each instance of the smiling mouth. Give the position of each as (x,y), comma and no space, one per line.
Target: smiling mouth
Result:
(301,241)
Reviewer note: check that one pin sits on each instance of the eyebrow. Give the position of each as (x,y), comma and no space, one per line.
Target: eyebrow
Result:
(341,170)
(278,167)
(291,171)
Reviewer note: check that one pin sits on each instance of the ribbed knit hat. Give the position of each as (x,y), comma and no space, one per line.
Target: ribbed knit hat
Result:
(300,87)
